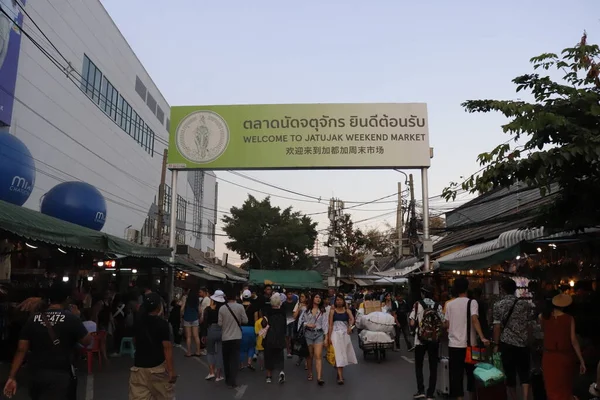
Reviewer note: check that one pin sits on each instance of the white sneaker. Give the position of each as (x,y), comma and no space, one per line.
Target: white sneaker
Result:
(282,377)
(209,377)
(219,379)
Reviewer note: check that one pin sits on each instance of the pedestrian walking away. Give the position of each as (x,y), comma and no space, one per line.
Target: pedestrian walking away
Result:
(459,324)
(214,342)
(274,339)
(231,317)
(426,318)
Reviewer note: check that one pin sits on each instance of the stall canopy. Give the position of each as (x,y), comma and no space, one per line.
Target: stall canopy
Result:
(293,279)
(37,227)
(477,260)
(186,266)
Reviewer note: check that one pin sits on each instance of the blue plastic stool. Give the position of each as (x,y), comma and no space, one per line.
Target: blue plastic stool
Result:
(127,347)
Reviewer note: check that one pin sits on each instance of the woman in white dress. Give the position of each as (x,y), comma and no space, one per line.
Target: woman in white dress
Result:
(341,322)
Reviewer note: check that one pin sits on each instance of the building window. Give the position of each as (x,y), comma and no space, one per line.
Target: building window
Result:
(198,190)
(181,208)
(160,114)
(140,88)
(180,236)
(91,79)
(211,230)
(149,230)
(108,98)
(99,89)
(168,125)
(167,200)
(151,103)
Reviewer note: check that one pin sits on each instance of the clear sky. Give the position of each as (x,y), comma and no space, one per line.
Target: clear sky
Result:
(334,51)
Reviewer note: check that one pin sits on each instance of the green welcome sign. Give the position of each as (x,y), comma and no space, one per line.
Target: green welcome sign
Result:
(300,136)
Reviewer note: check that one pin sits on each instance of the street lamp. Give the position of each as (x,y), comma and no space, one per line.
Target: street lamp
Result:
(405,176)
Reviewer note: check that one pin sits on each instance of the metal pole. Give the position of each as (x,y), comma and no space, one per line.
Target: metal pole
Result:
(399,221)
(426,240)
(172,232)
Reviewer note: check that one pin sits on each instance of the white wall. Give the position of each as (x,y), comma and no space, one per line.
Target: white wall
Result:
(68,135)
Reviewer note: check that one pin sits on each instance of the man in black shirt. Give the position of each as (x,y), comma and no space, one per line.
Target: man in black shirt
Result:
(51,336)
(400,309)
(265,301)
(153,374)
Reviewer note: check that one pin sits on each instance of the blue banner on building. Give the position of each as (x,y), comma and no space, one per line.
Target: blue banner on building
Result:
(10,46)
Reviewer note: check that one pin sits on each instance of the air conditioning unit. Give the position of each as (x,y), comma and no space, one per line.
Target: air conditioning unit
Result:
(133,235)
(147,241)
(209,254)
(182,249)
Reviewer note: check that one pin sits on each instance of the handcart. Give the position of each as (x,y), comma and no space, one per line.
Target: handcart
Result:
(375,348)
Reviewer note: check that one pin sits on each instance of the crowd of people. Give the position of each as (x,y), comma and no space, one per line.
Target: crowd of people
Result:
(251,330)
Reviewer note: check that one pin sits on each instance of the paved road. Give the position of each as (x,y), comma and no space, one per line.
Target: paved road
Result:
(393,377)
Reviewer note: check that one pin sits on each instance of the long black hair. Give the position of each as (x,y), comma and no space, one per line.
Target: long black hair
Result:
(311,303)
(193,300)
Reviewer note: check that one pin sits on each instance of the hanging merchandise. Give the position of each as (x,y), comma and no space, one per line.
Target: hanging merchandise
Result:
(522,287)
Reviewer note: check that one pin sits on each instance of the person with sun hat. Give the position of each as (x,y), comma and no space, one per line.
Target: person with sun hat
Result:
(561,348)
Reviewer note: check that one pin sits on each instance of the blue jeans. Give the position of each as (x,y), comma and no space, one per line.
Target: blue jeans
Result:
(248,345)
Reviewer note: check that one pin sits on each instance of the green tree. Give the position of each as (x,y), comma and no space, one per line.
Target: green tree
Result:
(382,242)
(560,131)
(268,237)
(351,241)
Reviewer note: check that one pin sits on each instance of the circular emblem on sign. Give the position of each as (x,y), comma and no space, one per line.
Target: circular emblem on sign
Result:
(202,137)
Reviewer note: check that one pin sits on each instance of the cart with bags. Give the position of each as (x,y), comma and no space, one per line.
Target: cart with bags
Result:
(375,334)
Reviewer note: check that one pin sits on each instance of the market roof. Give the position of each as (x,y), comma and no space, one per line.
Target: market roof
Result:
(186,266)
(293,279)
(38,227)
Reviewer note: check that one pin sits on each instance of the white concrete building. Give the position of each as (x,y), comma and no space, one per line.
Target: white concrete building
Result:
(98,117)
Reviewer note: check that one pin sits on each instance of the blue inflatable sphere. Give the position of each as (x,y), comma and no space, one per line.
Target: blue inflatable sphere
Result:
(76,202)
(17,170)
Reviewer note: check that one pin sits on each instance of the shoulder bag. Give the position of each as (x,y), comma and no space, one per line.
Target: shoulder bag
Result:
(510,312)
(234,317)
(475,354)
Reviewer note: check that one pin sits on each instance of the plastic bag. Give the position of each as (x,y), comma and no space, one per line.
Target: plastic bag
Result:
(497,361)
(376,322)
(488,375)
(331,355)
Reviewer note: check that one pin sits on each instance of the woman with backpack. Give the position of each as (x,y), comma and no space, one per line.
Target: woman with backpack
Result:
(426,319)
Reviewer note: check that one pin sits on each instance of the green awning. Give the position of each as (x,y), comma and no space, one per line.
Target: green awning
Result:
(293,279)
(480,261)
(37,227)
(186,266)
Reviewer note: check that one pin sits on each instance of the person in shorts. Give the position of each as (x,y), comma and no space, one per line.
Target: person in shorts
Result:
(315,323)
(191,322)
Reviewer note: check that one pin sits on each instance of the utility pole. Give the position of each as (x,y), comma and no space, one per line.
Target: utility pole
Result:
(399,220)
(336,207)
(412,233)
(161,201)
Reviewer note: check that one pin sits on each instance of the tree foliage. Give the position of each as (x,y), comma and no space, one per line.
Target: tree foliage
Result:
(351,243)
(382,242)
(560,131)
(268,237)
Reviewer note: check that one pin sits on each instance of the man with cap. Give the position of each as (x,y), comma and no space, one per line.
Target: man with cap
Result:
(153,372)
(426,312)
